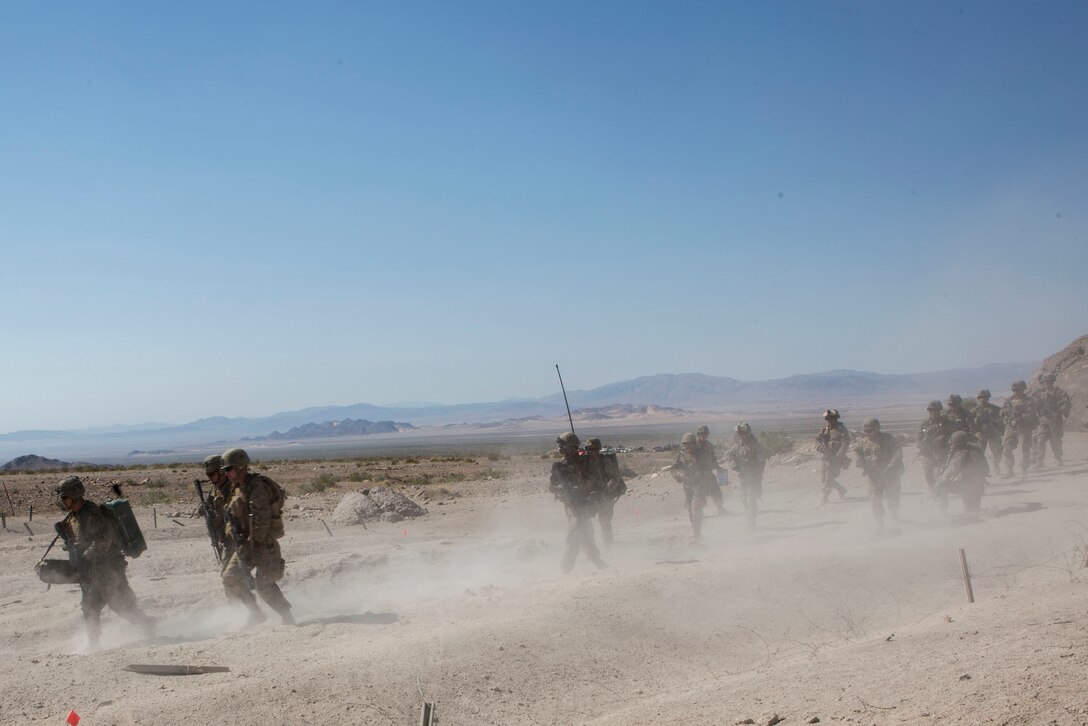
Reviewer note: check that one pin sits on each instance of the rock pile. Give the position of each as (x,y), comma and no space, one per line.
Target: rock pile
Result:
(384,504)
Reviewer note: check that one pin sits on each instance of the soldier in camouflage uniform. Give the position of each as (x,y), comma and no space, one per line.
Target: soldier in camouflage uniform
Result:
(1054,405)
(254,524)
(989,427)
(880,457)
(1021,418)
(603,472)
(570,483)
(747,459)
(832,443)
(960,418)
(964,472)
(688,471)
(216,499)
(708,460)
(933,442)
(94,549)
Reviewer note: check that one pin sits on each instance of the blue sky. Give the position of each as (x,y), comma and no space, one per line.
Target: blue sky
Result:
(210,210)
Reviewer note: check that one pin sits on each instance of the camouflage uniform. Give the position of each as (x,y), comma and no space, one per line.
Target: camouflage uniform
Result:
(603,472)
(1053,405)
(989,427)
(959,417)
(933,445)
(688,471)
(570,483)
(881,459)
(832,443)
(708,460)
(94,549)
(253,529)
(747,459)
(1021,418)
(964,472)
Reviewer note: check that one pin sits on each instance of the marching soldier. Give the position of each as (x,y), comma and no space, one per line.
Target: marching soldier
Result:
(708,460)
(833,443)
(933,442)
(604,474)
(94,550)
(960,418)
(1021,419)
(748,460)
(254,516)
(1054,405)
(989,427)
(569,483)
(688,471)
(964,472)
(881,459)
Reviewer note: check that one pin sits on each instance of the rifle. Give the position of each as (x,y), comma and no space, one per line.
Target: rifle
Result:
(206,505)
(565,401)
(59,571)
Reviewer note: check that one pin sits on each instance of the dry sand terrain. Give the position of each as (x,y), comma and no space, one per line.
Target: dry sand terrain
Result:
(811,616)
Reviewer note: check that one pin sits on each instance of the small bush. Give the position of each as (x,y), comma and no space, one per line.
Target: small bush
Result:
(488,473)
(359,476)
(157,483)
(422,480)
(158,497)
(319,483)
(775,442)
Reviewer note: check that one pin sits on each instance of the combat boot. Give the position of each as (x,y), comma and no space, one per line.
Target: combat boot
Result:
(256,616)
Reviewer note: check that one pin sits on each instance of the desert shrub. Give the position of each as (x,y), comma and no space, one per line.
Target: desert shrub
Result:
(454,476)
(488,473)
(156,483)
(493,457)
(359,476)
(776,442)
(157,496)
(422,480)
(319,483)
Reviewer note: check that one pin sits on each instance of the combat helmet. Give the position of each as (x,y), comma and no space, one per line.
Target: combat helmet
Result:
(703,430)
(213,463)
(954,400)
(1019,386)
(831,413)
(984,393)
(870,425)
(743,428)
(1047,378)
(234,457)
(593,443)
(568,439)
(959,439)
(71,487)
(934,406)
(688,438)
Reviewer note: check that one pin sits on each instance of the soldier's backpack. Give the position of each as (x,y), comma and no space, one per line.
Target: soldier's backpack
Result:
(128,529)
(278,499)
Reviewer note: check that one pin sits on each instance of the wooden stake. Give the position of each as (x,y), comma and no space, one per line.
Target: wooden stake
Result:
(966,577)
(28,529)
(325,526)
(155,517)
(8,495)
(177,522)
(4,523)
(30,515)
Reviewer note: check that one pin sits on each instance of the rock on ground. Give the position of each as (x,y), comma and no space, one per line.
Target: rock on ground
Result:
(384,503)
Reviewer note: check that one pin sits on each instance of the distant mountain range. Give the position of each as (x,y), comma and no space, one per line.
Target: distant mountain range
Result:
(692,391)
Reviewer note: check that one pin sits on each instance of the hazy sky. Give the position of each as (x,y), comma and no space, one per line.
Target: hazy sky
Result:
(229,209)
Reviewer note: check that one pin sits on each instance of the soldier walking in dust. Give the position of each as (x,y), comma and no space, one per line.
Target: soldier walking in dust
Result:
(708,460)
(933,443)
(571,485)
(688,471)
(989,427)
(880,457)
(254,516)
(216,504)
(94,549)
(832,443)
(603,472)
(1054,405)
(748,460)
(1021,418)
(960,418)
(964,472)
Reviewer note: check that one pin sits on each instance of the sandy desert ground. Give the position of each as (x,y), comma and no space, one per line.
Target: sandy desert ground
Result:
(811,616)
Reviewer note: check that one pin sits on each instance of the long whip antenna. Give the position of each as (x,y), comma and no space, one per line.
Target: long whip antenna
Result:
(565,401)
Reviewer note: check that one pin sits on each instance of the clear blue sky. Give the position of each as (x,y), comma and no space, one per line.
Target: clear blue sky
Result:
(231,209)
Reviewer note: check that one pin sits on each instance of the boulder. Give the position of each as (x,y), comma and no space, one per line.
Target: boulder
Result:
(385,504)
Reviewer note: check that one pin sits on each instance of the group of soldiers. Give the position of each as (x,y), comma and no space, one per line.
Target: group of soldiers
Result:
(952,445)
(246,511)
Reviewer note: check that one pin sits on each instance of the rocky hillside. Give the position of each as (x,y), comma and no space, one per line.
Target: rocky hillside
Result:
(347,427)
(33,462)
(1070,366)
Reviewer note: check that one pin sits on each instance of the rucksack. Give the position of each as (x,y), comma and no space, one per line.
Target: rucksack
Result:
(279,498)
(131,538)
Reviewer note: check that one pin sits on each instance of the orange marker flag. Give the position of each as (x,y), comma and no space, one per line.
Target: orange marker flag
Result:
(73,718)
